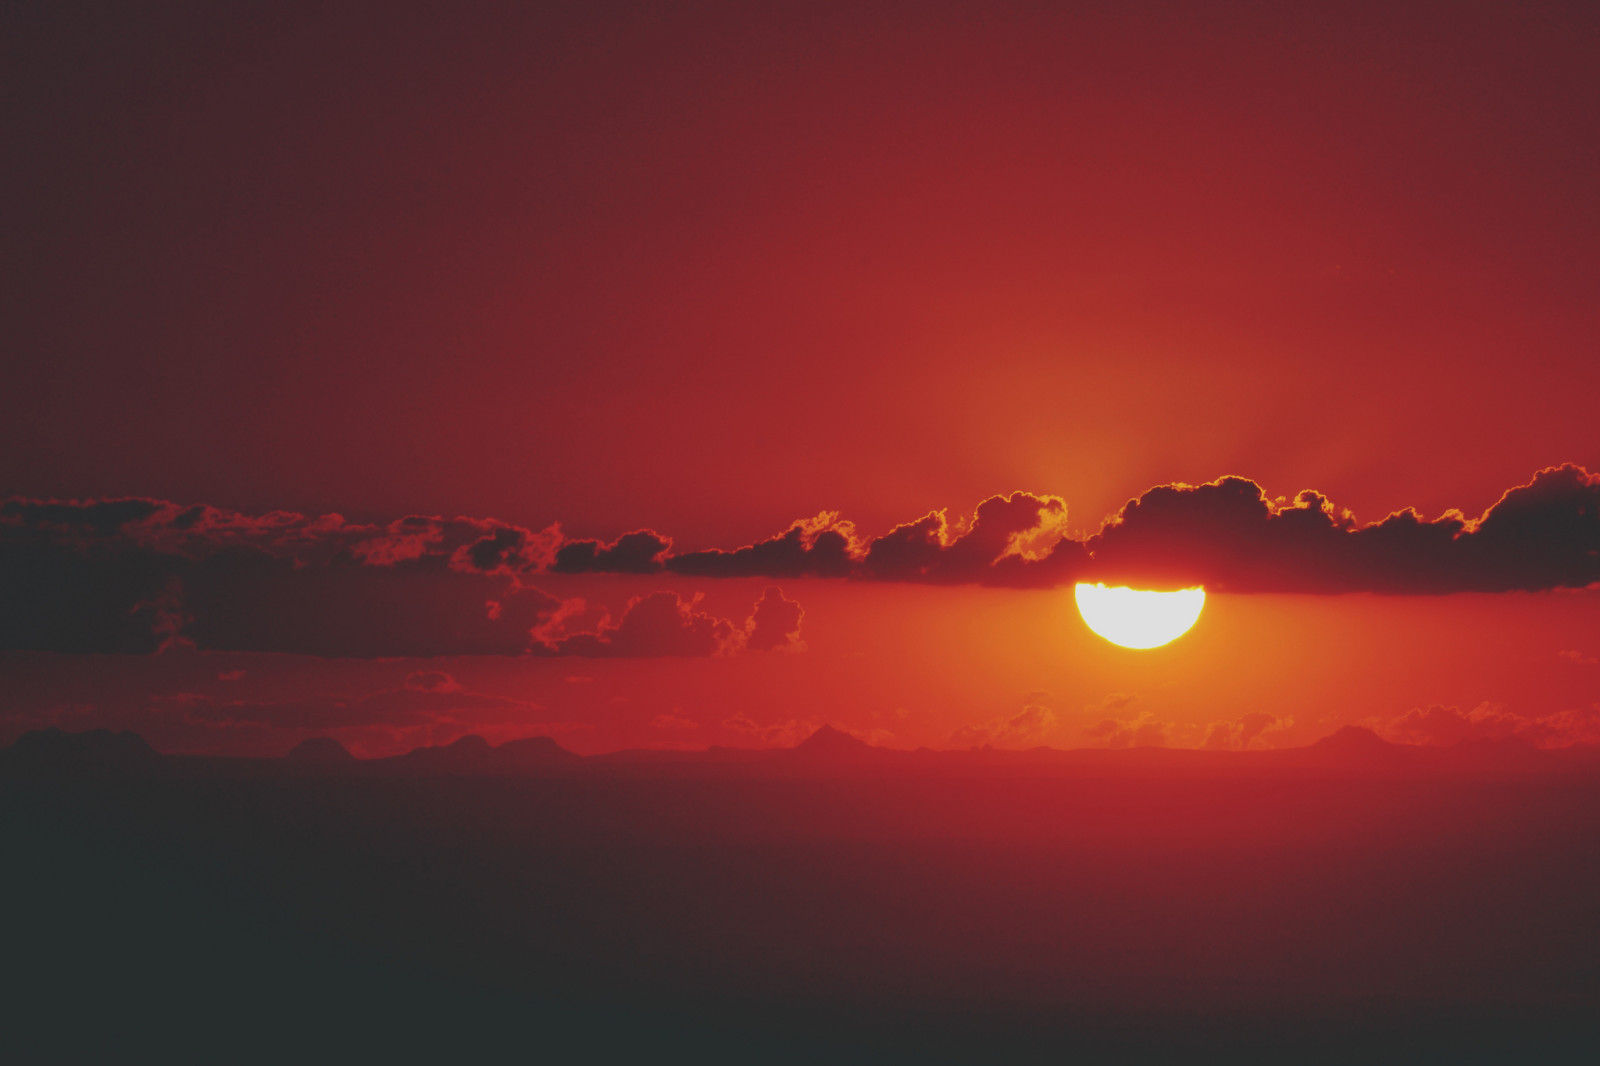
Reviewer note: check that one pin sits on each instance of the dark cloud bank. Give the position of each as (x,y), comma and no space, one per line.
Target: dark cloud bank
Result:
(137,575)
(140,576)
(1226,534)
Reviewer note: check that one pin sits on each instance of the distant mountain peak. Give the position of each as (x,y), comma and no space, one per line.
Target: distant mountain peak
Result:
(830,741)
(536,750)
(320,750)
(474,754)
(1353,739)
(468,751)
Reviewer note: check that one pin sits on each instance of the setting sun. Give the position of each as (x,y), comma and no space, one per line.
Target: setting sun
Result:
(1137,618)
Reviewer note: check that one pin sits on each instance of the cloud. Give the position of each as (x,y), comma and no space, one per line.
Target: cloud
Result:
(62,589)
(672,722)
(660,624)
(1253,728)
(1112,702)
(145,576)
(507,550)
(775,623)
(1449,725)
(137,575)
(1258,723)
(1226,534)
(664,625)
(82,518)
(1015,539)
(142,575)
(167,617)
(245,600)
(1141,732)
(1027,728)
(431,681)
(639,552)
(1028,725)
(1438,725)
(822,546)
(785,734)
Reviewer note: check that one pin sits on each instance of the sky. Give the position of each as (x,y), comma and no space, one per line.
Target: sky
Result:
(349,344)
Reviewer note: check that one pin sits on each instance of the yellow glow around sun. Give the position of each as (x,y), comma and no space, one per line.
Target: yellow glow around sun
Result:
(1135,618)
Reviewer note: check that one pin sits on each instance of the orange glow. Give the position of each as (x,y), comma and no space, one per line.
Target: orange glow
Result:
(1138,618)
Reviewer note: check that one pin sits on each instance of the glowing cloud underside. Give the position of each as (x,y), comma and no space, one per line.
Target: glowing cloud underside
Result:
(1135,618)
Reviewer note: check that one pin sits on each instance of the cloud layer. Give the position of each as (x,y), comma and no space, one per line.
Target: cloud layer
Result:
(142,576)
(1437,725)
(1226,534)
(139,575)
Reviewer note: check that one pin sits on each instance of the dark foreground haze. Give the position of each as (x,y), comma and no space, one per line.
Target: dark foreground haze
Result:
(1351,901)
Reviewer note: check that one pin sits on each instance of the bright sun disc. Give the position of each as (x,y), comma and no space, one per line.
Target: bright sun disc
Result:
(1136,618)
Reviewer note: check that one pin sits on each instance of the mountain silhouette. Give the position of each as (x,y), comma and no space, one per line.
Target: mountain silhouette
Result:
(473,754)
(95,745)
(1355,740)
(320,750)
(1357,746)
(465,755)
(534,751)
(1354,748)
(828,744)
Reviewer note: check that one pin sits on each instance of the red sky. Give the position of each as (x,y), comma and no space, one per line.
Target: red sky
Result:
(713,270)
(908,666)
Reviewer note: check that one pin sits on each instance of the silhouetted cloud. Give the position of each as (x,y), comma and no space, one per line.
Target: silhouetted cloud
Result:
(785,734)
(1027,728)
(1442,726)
(775,622)
(1244,731)
(243,600)
(505,549)
(1142,732)
(432,681)
(141,575)
(638,552)
(663,624)
(1227,535)
(99,518)
(819,547)
(1008,538)
(660,624)
(144,576)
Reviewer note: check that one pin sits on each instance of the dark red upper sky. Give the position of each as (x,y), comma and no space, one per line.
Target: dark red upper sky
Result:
(713,268)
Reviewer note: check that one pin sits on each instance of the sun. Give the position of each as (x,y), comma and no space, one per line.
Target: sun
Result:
(1136,618)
